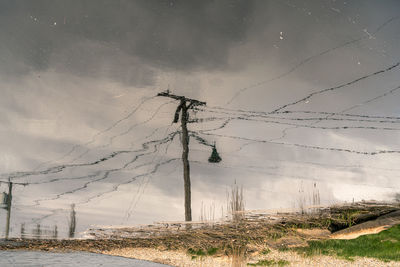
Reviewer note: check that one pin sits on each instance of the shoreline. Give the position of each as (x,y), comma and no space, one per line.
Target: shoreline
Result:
(234,243)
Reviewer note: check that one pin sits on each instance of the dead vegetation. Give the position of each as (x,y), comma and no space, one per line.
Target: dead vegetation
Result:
(235,202)
(253,233)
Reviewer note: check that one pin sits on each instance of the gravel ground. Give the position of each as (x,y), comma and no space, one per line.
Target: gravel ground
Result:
(176,258)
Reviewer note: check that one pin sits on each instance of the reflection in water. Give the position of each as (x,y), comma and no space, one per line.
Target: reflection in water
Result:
(55,232)
(38,231)
(275,131)
(236,203)
(22,235)
(72,222)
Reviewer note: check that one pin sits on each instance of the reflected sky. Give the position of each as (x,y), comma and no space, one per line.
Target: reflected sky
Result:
(302,96)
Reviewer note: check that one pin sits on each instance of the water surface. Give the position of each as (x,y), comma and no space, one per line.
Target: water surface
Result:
(82,259)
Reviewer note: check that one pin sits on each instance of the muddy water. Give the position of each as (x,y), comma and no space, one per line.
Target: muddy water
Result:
(81,259)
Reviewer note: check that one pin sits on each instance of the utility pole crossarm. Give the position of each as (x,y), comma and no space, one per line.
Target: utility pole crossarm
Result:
(192,102)
(6,182)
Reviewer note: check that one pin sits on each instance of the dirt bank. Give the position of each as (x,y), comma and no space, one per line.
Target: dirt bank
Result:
(182,259)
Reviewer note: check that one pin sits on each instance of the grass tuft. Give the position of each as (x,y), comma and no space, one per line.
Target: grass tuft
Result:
(195,253)
(265,251)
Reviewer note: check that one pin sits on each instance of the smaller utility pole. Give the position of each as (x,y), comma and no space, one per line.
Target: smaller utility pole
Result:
(9,199)
(72,222)
(184,105)
(8,203)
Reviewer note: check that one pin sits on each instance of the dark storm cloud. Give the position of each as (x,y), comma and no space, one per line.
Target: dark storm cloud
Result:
(128,37)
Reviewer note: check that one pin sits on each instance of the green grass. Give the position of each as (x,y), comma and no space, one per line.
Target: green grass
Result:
(265,251)
(201,253)
(196,252)
(384,246)
(269,263)
(212,251)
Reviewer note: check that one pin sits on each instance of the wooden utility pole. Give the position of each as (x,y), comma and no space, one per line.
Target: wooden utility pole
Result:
(184,105)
